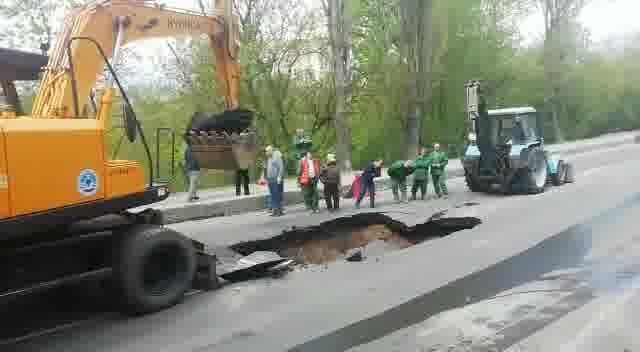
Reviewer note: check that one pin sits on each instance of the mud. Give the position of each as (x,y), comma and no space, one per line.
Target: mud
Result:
(372,233)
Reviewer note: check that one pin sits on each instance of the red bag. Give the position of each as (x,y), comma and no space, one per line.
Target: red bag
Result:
(355,187)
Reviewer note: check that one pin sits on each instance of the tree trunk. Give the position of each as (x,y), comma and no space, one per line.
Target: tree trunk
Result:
(340,35)
(555,112)
(417,38)
(414,117)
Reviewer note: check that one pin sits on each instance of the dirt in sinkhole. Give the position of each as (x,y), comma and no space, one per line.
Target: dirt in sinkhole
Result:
(372,233)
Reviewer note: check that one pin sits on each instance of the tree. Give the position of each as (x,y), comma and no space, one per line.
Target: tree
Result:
(416,43)
(30,23)
(559,16)
(339,27)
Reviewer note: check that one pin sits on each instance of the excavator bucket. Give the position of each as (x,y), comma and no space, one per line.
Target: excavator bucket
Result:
(223,151)
(224,141)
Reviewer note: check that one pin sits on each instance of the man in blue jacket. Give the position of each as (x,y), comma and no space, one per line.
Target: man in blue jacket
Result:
(367,182)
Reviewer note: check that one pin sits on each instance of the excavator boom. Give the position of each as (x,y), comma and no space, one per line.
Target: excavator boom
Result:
(114,23)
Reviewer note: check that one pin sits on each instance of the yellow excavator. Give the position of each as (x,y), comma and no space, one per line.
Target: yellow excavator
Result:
(64,205)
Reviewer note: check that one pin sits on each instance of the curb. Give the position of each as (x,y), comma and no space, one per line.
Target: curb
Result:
(216,208)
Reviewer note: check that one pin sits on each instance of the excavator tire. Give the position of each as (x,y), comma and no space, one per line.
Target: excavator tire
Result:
(153,267)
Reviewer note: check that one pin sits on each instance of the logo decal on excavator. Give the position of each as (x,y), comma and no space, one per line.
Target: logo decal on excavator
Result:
(150,24)
(183,24)
(88,182)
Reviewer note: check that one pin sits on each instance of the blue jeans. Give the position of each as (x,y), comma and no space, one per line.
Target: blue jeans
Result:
(370,186)
(275,195)
(267,199)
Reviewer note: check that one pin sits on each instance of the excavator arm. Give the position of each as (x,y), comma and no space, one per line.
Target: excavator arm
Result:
(70,75)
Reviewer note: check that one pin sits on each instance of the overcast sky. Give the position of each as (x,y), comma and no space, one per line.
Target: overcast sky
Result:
(604,18)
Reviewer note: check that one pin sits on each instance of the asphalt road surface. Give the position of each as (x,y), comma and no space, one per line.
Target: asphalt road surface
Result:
(554,271)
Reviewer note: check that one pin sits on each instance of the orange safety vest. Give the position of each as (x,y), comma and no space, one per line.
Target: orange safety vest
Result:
(304,177)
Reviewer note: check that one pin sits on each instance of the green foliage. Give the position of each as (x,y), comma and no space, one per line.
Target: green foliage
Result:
(286,83)
(472,40)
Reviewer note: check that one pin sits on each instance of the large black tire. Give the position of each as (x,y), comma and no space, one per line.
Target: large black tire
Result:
(472,184)
(559,177)
(569,174)
(153,267)
(534,175)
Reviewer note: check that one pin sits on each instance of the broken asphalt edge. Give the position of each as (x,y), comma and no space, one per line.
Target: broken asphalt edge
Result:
(295,238)
(226,207)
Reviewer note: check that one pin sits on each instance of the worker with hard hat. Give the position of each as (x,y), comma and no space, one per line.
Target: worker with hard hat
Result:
(439,161)
(421,174)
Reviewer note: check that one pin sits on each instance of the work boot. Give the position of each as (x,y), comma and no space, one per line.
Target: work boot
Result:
(395,197)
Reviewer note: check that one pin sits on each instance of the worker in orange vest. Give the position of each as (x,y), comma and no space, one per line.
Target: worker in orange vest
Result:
(308,176)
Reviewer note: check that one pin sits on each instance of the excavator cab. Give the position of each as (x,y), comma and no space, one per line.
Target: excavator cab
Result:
(16,66)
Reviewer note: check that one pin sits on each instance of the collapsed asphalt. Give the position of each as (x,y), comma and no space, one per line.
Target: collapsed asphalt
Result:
(335,238)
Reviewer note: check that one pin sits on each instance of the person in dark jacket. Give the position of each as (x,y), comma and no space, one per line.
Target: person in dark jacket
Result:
(330,177)
(192,169)
(367,183)
(242,179)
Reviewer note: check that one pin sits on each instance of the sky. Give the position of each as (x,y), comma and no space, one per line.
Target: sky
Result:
(604,18)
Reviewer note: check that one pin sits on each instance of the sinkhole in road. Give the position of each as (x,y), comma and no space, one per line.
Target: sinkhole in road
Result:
(354,238)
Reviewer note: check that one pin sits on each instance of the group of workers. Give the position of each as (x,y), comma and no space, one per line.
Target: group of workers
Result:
(433,163)
(310,174)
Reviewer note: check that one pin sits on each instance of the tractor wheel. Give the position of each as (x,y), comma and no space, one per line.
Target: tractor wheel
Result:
(559,177)
(569,175)
(153,268)
(472,184)
(535,174)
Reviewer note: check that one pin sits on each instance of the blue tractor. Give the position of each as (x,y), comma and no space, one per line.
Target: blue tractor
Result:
(505,152)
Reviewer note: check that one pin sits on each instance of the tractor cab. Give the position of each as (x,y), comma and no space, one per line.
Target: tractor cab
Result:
(514,126)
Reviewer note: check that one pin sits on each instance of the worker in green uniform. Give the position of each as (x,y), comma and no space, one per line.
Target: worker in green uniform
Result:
(439,163)
(398,173)
(421,174)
